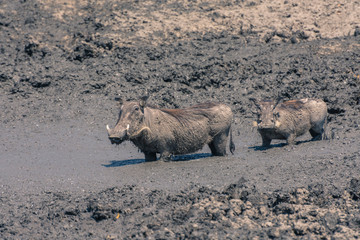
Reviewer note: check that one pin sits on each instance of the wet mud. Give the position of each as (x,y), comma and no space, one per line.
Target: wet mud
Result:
(63,63)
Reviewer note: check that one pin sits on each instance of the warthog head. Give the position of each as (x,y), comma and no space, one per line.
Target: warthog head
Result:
(130,122)
(267,115)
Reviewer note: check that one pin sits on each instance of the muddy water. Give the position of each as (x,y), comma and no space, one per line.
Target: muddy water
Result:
(68,157)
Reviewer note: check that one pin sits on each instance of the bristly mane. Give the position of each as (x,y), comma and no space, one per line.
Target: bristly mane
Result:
(294,104)
(186,115)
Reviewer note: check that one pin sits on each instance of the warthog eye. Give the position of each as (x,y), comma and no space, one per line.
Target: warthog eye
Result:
(277,115)
(136,108)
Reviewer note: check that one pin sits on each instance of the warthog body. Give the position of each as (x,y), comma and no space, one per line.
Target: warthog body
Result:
(173,131)
(290,119)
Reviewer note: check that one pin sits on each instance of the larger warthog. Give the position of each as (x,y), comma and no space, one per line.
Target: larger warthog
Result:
(173,131)
(290,119)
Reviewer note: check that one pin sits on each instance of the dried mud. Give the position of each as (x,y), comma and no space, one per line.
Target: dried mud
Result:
(63,62)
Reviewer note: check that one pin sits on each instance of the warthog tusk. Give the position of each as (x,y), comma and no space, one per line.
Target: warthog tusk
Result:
(108,129)
(138,132)
(127,128)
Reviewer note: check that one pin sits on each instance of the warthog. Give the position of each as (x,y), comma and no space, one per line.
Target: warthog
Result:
(290,119)
(173,131)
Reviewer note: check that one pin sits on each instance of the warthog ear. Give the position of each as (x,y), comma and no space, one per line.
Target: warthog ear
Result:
(256,102)
(119,100)
(143,100)
(278,101)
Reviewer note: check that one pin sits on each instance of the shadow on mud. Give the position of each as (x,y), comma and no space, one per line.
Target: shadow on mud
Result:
(115,163)
(189,157)
(278,145)
(180,158)
(261,148)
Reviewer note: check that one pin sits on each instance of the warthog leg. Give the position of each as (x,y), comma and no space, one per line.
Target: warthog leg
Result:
(291,139)
(265,141)
(218,144)
(150,156)
(316,134)
(165,156)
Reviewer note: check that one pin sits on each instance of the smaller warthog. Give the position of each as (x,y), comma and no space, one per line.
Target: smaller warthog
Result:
(290,119)
(173,131)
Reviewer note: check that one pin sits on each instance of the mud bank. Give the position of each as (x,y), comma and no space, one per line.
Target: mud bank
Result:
(238,211)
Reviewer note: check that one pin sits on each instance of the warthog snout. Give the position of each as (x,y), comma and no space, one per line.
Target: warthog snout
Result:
(268,125)
(115,140)
(116,137)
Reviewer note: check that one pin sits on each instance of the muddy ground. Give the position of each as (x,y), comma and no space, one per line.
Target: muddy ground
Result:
(63,62)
